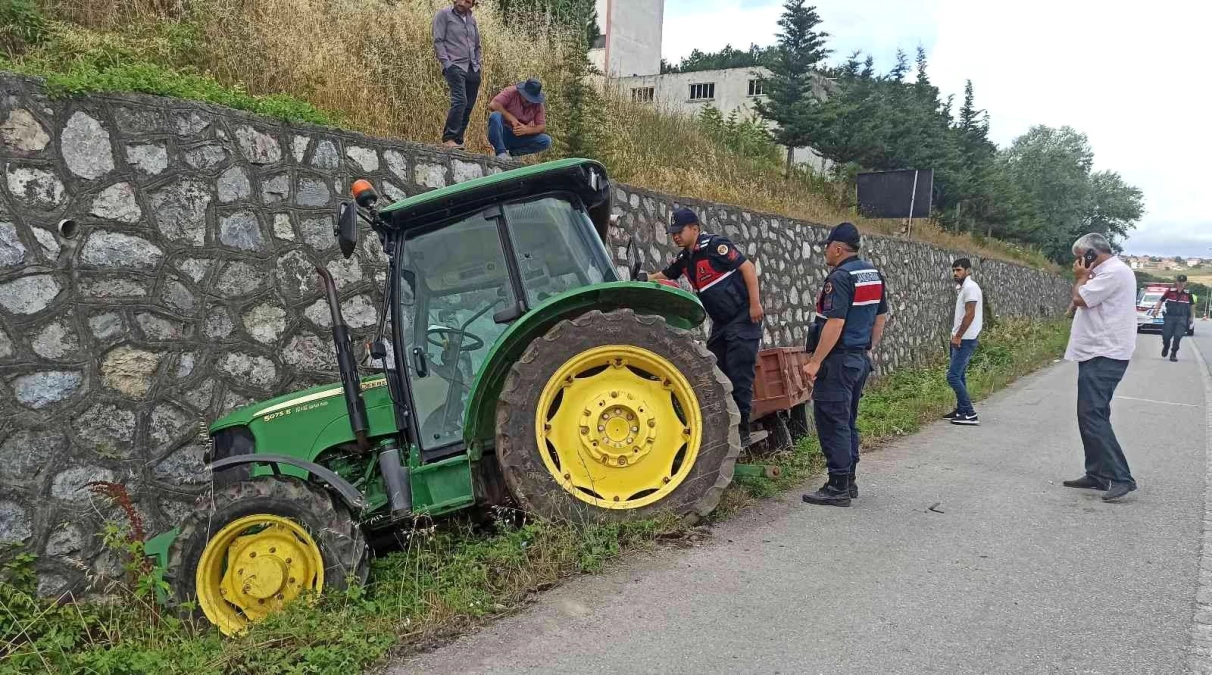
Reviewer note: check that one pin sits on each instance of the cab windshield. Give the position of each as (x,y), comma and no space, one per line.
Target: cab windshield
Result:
(457,277)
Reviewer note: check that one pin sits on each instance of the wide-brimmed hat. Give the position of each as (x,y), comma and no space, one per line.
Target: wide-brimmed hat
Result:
(532,90)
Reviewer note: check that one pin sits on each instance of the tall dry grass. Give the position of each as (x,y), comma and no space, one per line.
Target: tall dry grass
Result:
(371,63)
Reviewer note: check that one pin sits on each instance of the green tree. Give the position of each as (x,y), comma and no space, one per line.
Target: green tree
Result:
(1114,205)
(1051,167)
(1061,198)
(728,57)
(976,178)
(581,132)
(793,68)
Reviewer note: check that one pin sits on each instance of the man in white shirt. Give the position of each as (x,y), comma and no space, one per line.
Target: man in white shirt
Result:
(1101,341)
(966,327)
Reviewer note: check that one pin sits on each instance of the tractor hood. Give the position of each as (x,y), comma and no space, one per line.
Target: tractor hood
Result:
(295,403)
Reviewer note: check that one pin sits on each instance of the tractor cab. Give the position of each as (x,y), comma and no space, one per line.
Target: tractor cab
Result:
(466,278)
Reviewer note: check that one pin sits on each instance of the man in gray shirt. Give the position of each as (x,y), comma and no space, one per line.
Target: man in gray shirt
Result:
(456,43)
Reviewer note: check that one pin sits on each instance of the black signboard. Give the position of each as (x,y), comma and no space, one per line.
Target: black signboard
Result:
(891,194)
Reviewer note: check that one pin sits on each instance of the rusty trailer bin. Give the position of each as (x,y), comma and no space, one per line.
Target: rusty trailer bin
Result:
(779,384)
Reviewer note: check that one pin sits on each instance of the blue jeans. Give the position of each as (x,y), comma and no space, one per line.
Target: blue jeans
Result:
(502,138)
(1096,383)
(957,375)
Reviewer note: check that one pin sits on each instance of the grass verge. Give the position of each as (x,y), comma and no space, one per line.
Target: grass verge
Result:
(444,580)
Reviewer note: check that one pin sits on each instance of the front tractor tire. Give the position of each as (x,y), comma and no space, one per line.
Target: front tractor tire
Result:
(616,416)
(255,545)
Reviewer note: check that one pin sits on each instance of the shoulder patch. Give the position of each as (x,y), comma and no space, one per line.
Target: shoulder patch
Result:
(722,249)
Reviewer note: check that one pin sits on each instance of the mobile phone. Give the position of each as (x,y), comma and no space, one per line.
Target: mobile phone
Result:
(1090,257)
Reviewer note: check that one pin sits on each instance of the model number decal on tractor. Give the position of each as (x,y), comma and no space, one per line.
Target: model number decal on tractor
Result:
(297,409)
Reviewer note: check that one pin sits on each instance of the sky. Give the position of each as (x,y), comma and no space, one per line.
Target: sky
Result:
(1134,77)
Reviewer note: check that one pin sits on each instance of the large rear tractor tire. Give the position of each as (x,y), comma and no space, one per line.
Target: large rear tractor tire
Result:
(616,417)
(255,545)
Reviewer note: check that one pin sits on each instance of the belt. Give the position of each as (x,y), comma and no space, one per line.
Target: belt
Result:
(847,350)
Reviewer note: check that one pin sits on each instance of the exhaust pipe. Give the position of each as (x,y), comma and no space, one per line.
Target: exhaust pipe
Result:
(396,479)
(346,364)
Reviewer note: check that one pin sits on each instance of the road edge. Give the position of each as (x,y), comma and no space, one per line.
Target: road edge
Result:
(1200,661)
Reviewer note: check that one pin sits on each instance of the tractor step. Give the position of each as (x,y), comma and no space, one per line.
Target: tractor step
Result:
(756,437)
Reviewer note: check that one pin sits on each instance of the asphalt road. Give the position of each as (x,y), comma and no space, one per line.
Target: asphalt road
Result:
(1012,573)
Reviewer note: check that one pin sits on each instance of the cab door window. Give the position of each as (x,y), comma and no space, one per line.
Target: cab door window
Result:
(455,280)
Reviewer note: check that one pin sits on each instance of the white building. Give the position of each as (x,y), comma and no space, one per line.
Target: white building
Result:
(631,37)
(727,90)
(628,54)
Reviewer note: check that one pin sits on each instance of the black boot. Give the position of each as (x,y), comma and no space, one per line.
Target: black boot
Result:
(834,493)
(744,429)
(853,487)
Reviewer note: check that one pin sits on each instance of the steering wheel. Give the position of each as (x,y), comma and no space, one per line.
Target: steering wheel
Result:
(470,342)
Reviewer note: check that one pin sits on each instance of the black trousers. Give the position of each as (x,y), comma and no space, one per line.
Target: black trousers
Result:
(464,89)
(835,404)
(736,354)
(1173,331)
(1096,383)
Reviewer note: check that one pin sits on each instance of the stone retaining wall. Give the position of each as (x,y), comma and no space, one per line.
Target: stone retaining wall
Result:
(188,290)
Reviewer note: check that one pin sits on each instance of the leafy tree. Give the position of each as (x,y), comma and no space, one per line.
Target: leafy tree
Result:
(1114,205)
(1052,169)
(793,67)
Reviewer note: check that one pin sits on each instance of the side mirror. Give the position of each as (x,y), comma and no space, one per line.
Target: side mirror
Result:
(347,229)
(633,261)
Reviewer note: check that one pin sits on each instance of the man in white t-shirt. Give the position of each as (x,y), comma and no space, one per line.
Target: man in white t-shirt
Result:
(1101,341)
(965,329)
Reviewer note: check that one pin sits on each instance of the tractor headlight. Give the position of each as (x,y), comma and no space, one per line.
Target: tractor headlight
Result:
(230,442)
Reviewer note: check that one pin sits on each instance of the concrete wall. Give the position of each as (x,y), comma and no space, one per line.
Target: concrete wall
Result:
(633,31)
(672,92)
(189,290)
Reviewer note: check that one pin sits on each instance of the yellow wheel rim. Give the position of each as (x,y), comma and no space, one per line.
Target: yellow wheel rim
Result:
(618,427)
(254,566)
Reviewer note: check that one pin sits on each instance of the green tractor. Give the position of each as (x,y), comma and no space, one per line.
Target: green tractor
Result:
(513,366)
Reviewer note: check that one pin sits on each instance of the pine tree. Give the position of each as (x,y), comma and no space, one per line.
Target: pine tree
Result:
(901,68)
(793,66)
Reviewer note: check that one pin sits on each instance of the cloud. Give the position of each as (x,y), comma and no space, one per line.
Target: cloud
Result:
(1170,239)
(1132,77)
(878,27)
